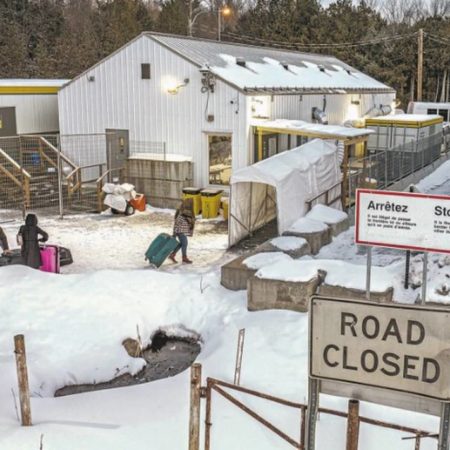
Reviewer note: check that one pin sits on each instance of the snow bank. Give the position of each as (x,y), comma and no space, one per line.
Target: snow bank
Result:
(307,225)
(326,214)
(287,243)
(255,262)
(440,176)
(74,324)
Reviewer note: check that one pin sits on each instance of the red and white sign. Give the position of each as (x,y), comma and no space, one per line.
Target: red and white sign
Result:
(405,220)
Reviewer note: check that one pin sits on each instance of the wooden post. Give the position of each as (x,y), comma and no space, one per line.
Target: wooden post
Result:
(208,414)
(353,425)
(239,352)
(419,65)
(194,411)
(22,376)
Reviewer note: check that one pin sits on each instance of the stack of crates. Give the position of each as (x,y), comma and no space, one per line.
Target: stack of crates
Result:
(210,203)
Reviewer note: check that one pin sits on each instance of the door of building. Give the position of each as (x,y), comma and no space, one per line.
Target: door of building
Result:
(117,149)
(8,125)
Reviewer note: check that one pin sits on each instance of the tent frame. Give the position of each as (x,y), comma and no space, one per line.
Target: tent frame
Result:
(349,142)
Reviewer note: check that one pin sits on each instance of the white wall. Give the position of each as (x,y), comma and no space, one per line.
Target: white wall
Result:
(35,113)
(119,98)
(338,106)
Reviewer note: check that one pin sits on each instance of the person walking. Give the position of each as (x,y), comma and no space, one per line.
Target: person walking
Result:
(28,238)
(183,227)
(4,242)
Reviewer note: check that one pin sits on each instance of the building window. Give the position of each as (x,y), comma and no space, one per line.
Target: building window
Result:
(145,71)
(219,149)
(444,114)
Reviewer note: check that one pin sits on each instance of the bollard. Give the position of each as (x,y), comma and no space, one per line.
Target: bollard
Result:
(194,410)
(22,376)
(353,425)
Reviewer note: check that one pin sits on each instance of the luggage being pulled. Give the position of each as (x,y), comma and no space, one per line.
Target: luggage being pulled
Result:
(161,247)
(50,259)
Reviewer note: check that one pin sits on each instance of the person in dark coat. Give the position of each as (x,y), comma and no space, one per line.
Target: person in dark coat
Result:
(4,242)
(28,238)
(184,227)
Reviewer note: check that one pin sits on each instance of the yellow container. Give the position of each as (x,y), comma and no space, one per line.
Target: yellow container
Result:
(210,203)
(194,193)
(225,206)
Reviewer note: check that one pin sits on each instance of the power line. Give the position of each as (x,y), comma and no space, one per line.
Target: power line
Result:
(318,45)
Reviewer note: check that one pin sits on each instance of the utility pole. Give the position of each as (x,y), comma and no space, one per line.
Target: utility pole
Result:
(419,64)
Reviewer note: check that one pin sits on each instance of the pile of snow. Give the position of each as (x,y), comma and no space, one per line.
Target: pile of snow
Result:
(255,262)
(338,273)
(287,243)
(327,215)
(438,178)
(307,225)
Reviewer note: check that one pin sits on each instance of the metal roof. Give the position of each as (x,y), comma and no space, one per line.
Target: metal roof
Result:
(270,70)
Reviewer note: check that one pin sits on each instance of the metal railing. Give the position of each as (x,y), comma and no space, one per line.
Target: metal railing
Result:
(219,387)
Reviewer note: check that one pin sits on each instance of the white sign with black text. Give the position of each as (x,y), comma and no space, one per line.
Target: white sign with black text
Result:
(397,347)
(403,220)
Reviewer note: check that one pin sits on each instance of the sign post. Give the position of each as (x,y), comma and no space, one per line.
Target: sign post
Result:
(393,355)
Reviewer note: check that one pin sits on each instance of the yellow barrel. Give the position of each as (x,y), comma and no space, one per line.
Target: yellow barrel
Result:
(194,193)
(210,203)
(225,206)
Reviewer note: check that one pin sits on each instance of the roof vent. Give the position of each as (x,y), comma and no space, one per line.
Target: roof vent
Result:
(240,62)
(348,71)
(285,65)
(321,68)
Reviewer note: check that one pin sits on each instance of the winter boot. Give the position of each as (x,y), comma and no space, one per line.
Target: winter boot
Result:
(186,260)
(172,258)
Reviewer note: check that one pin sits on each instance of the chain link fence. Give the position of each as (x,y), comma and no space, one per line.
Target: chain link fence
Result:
(383,168)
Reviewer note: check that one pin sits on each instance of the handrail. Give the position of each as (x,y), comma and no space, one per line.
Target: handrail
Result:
(55,150)
(14,163)
(101,178)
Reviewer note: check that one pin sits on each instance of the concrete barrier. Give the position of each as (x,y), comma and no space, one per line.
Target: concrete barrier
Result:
(316,239)
(282,244)
(235,274)
(275,294)
(356,294)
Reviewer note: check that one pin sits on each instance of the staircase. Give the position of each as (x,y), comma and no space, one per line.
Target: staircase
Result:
(29,178)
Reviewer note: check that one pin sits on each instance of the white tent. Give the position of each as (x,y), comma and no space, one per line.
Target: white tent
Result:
(280,187)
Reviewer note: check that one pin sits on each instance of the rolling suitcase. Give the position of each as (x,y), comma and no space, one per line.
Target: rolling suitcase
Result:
(50,258)
(161,247)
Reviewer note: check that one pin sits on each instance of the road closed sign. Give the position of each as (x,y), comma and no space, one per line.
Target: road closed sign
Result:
(399,347)
(403,220)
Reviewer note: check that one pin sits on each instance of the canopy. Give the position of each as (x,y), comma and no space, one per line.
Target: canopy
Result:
(280,187)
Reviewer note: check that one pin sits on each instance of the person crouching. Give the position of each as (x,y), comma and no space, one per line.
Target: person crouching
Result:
(183,227)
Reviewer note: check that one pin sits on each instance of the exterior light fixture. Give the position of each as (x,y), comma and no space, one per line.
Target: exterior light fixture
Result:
(173,90)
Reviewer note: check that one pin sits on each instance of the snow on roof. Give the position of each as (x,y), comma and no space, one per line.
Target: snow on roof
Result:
(405,118)
(316,128)
(24,82)
(263,68)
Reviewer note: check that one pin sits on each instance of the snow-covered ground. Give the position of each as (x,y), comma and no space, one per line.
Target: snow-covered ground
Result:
(74,325)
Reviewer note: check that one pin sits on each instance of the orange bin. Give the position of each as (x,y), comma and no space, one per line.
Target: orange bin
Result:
(138,202)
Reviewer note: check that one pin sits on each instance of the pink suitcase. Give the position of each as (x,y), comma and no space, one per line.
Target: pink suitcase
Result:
(50,259)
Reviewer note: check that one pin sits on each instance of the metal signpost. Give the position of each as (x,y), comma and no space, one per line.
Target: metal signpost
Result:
(392,355)
(402,220)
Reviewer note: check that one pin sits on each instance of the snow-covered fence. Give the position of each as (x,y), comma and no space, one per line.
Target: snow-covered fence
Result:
(354,420)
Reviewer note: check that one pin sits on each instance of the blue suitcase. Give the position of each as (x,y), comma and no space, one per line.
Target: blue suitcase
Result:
(162,246)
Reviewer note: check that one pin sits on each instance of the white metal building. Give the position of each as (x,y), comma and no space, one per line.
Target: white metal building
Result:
(198,97)
(29,106)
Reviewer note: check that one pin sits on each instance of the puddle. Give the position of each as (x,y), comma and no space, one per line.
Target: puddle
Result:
(166,357)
